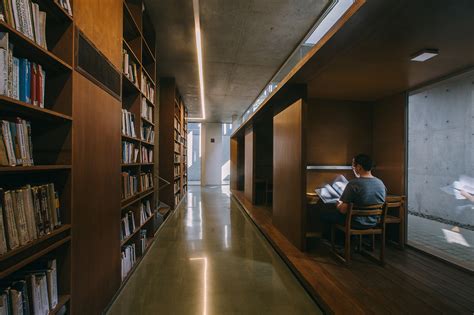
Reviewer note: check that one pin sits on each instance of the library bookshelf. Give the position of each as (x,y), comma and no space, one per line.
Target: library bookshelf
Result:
(139,144)
(173,142)
(50,147)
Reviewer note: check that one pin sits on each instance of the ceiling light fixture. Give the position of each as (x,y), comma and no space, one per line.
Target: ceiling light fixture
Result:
(197,28)
(424,55)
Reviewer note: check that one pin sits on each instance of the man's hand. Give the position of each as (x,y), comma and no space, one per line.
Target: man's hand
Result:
(341,206)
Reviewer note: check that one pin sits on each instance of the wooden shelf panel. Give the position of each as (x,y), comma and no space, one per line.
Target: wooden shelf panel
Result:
(147,121)
(53,9)
(130,26)
(31,258)
(148,56)
(147,143)
(34,243)
(130,164)
(28,111)
(128,238)
(26,48)
(131,52)
(35,168)
(62,300)
(128,87)
(130,201)
(130,138)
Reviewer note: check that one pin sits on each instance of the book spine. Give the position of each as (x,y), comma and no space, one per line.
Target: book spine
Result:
(33,92)
(3,72)
(39,86)
(12,233)
(16,72)
(30,143)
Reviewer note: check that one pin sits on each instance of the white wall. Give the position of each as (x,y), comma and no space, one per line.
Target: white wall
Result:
(211,154)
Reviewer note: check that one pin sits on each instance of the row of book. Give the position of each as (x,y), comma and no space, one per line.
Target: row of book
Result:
(66,5)
(177,124)
(148,89)
(16,147)
(128,124)
(148,134)
(177,158)
(26,17)
(33,290)
(128,259)
(20,78)
(27,214)
(147,155)
(128,225)
(147,110)
(177,185)
(177,170)
(130,68)
(130,152)
(145,211)
(146,181)
(129,185)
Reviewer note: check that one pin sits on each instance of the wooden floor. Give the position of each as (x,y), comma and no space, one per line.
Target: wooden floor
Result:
(410,282)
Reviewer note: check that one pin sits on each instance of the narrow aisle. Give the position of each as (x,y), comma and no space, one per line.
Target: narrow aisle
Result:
(211,259)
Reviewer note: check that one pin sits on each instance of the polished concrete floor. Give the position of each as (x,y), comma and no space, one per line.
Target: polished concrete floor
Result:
(209,258)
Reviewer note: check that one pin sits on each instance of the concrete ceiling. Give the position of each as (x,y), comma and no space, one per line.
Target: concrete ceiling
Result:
(244,43)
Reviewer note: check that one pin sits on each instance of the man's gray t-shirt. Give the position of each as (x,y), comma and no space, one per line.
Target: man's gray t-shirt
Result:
(364,191)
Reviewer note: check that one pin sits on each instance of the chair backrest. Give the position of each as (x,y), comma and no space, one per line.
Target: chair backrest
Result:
(365,211)
(394,201)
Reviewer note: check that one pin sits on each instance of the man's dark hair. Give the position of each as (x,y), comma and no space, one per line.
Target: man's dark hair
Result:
(363,160)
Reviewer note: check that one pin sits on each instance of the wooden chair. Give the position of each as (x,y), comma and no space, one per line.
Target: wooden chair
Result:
(396,215)
(359,211)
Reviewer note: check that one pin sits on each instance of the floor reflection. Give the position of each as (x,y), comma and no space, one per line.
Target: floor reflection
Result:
(210,259)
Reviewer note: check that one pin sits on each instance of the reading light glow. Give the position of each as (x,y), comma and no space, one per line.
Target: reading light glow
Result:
(197,28)
(424,55)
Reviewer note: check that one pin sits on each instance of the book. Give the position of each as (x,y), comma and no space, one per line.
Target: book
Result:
(10,223)
(331,193)
(3,238)
(4,52)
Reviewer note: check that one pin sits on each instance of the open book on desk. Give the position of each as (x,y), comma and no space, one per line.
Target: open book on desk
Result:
(331,193)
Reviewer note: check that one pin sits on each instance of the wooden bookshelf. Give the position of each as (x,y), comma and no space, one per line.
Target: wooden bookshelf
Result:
(134,98)
(51,138)
(173,146)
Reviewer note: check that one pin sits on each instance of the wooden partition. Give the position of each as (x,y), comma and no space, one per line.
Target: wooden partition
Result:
(264,161)
(249,167)
(388,146)
(337,130)
(289,182)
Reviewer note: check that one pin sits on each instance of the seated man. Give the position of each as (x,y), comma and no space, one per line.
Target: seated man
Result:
(362,191)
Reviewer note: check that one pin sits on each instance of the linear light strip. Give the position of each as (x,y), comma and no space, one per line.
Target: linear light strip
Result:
(197,28)
(204,307)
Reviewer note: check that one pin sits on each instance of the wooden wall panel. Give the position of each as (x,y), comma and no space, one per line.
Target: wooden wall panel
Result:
(166,137)
(389,142)
(234,147)
(289,181)
(338,130)
(249,177)
(96,201)
(101,22)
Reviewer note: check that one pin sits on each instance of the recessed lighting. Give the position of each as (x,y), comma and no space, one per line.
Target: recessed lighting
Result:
(424,55)
(197,28)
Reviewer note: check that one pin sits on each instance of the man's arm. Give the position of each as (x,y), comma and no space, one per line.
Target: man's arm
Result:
(342,207)
(346,198)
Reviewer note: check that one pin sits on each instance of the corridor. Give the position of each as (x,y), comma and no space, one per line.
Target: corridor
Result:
(209,258)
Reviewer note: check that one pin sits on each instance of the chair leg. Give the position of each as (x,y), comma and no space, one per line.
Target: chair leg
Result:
(347,249)
(333,235)
(382,248)
(401,235)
